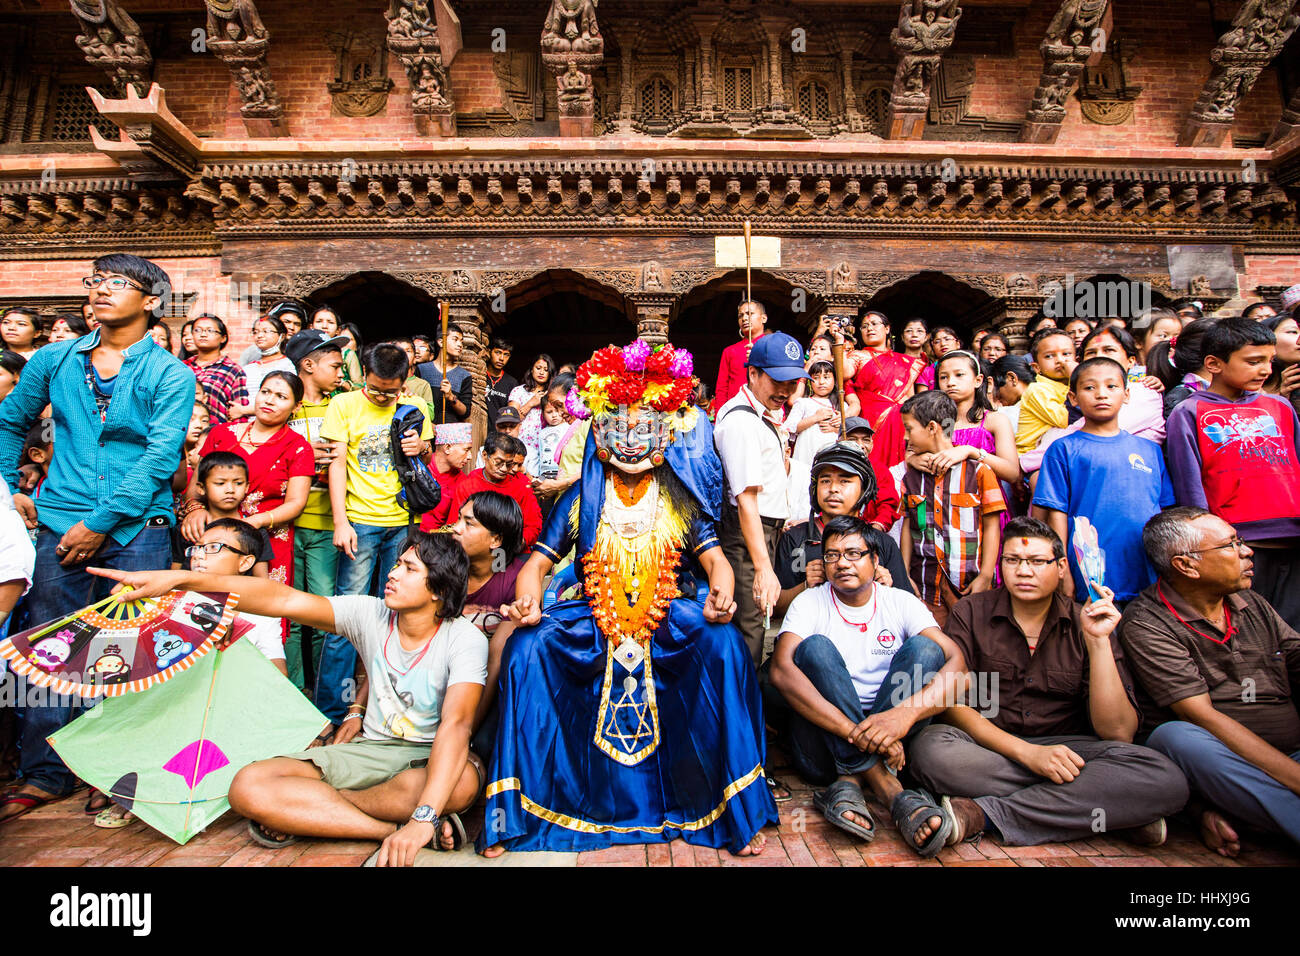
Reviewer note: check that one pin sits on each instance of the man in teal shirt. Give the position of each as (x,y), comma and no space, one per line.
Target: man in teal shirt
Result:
(121,406)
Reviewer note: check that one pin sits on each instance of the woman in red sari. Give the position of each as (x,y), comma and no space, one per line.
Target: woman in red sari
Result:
(881,380)
(280,468)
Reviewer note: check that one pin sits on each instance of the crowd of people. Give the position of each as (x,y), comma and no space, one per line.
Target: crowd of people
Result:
(904,545)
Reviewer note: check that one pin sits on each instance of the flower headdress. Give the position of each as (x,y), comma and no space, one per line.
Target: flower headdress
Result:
(661,377)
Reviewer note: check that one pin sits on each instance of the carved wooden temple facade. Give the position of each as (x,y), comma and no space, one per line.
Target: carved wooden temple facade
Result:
(559,171)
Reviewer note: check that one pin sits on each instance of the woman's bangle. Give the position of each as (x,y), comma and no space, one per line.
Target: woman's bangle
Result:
(347,717)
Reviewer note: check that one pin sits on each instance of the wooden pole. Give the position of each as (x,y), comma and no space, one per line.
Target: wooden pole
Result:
(445,309)
(749,292)
(837,353)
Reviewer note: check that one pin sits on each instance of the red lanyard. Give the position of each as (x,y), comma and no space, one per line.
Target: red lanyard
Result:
(415,663)
(861,627)
(1227,620)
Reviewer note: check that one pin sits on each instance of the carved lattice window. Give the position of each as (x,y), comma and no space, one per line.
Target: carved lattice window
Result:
(657,99)
(73,113)
(738,88)
(815,101)
(875,108)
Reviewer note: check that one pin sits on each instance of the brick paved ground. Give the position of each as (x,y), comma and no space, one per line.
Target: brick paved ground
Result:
(60,834)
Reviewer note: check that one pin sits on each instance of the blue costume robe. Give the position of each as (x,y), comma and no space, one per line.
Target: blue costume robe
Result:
(592,751)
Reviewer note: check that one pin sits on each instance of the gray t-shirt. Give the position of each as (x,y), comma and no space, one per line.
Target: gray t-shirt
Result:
(407,687)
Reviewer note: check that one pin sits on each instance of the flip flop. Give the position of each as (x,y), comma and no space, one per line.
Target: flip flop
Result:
(27,801)
(114,817)
(909,816)
(845,796)
(263,838)
(458,836)
(779,791)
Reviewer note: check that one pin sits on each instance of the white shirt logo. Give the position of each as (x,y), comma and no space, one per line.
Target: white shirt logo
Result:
(793,352)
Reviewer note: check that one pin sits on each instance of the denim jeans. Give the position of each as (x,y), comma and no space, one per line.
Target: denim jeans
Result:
(57,592)
(821,756)
(377,551)
(315,570)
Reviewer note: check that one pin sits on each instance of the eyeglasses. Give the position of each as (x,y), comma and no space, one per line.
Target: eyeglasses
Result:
(114,283)
(378,393)
(1037,564)
(1236,542)
(213,547)
(852,555)
(505,464)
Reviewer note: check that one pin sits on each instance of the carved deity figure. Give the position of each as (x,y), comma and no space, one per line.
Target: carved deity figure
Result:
(428,88)
(410,19)
(1075,21)
(239,21)
(252,86)
(571,28)
(1261,26)
(930,29)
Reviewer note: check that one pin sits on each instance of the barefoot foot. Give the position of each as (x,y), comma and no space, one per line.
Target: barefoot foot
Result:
(1217,834)
(755,846)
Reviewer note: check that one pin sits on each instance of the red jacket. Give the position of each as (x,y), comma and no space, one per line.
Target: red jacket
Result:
(518,487)
(731,371)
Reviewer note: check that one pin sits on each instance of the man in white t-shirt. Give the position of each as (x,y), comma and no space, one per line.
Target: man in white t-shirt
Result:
(410,774)
(864,667)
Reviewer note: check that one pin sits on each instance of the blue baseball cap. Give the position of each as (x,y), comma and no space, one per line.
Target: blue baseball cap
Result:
(779,355)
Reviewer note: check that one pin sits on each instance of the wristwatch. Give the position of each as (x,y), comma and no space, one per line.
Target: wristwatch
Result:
(425,814)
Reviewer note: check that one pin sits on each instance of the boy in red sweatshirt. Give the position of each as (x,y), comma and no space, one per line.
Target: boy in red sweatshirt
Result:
(1233,451)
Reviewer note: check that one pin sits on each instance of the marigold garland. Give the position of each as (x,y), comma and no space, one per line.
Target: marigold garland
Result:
(615,617)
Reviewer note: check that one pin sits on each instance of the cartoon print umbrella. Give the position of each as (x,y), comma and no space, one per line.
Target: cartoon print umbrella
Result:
(169,754)
(119,647)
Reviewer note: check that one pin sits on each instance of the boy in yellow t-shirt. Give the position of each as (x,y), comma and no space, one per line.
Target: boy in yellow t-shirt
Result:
(1043,405)
(370,524)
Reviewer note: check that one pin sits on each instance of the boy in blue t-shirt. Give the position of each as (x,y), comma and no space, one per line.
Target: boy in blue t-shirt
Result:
(1114,479)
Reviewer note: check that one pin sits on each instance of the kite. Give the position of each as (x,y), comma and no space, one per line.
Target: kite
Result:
(169,754)
(119,647)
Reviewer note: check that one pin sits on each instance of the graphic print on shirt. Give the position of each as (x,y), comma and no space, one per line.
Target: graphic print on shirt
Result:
(375,454)
(1138,464)
(1248,432)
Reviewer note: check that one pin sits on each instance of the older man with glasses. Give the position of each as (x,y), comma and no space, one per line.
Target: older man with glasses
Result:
(1218,666)
(121,406)
(1048,755)
(502,472)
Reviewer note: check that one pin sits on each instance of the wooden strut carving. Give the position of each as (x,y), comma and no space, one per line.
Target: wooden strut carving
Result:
(112,41)
(413,39)
(572,48)
(1259,31)
(237,37)
(925,31)
(1075,35)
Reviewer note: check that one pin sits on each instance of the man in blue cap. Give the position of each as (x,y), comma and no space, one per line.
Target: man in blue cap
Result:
(752,444)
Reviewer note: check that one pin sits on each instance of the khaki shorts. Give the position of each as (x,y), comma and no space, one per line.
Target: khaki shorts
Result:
(359,764)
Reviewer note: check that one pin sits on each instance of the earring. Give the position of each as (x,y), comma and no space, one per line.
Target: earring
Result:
(603,454)
(657,459)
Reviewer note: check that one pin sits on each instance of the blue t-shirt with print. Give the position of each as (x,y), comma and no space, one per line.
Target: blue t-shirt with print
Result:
(1118,483)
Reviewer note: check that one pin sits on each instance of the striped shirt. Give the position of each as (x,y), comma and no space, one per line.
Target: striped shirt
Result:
(945,515)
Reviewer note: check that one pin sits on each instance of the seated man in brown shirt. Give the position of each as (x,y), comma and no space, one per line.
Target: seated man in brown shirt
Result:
(1050,758)
(1216,665)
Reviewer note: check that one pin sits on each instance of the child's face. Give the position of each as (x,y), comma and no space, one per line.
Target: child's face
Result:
(957,380)
(819,351)
(199,421)
(823,384)
(1246,370)
(553,411)
(227,560)
(225,488)
(511,429)
(1011,391)
(40,455)
(1055,358)
(1101,393)
(327,371)
(920,438)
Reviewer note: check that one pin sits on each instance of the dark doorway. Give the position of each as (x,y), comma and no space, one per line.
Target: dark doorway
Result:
(706,323)
(381,307)
(937,298)
(564,315)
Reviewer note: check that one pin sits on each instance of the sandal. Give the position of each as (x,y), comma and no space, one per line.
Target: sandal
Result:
(262,836)
(841,797)
(779,791)
(114,817)
(458,836)
(909,815)
(26,801)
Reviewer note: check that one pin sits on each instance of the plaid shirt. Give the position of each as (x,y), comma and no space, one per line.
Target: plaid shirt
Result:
(225,385)
(945,514)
